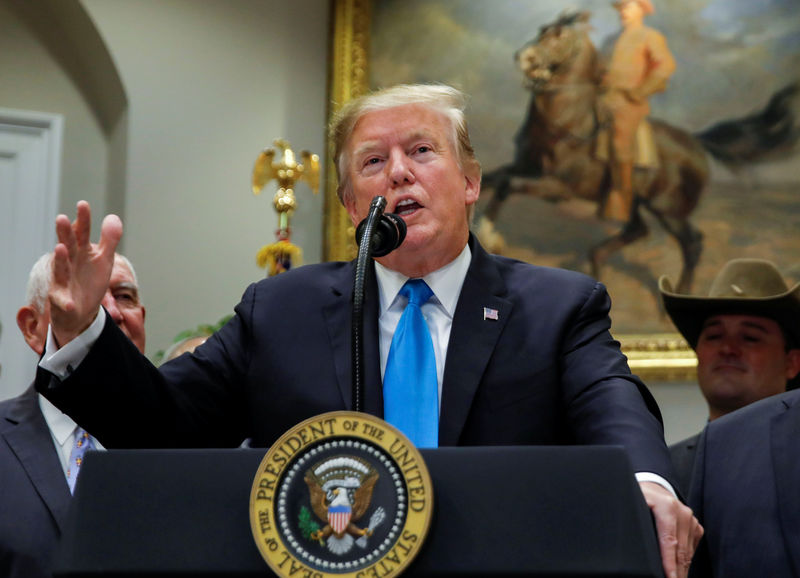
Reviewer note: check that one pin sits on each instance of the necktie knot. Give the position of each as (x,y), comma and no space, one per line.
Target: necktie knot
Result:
(417,292)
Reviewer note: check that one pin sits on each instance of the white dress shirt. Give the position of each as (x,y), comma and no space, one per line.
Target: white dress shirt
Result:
(62,431)
(438,311)
(62,361)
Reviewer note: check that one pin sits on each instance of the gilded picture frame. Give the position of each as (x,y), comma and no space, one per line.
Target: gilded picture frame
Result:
(657,356)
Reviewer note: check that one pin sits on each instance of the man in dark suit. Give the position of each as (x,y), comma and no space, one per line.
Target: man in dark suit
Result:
(742,334)
(523,354)
(745,491)
(36,438)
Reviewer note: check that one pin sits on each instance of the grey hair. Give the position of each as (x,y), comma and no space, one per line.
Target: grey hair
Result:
(39,280)
(447,100)
(129,265)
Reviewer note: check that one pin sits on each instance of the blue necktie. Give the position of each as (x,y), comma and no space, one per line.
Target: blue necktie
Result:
(83,443)
(410,386)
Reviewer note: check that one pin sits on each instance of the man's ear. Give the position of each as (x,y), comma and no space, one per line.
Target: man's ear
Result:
(792,363)
(472,181)
(349,203)
(29,322)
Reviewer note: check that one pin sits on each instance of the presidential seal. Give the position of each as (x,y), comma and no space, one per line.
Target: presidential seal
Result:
(341,494)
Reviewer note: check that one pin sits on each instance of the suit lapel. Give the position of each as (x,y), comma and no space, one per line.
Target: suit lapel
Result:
(31,442)
(473,338)
(785,432)
(338,315)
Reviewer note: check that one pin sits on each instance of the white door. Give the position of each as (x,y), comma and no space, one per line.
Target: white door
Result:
(30,168)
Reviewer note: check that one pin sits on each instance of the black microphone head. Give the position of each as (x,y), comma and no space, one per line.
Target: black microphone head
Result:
(388,234)
(396,233)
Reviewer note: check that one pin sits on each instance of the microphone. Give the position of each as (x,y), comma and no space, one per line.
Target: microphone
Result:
(387,234)
(378,235)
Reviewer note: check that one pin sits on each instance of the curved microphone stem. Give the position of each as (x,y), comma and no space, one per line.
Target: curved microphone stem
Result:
(376,209)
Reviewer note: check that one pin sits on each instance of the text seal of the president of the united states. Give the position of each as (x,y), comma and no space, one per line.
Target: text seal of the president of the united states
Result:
(341,494)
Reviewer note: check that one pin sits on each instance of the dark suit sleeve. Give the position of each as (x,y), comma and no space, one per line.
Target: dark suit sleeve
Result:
(125,401)
(605,403)
(683,454)
(701,563)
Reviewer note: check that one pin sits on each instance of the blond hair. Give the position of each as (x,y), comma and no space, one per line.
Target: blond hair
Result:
(444,99)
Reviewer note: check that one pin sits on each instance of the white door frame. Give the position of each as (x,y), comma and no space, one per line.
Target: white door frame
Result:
(30,178)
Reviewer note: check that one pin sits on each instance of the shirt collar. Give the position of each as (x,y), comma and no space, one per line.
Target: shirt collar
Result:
(60,424)
(445,282)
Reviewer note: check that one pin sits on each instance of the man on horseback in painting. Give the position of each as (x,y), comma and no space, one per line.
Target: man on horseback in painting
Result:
(558,153)
(640,66)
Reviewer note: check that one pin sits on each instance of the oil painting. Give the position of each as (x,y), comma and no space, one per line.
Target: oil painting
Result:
(723,179)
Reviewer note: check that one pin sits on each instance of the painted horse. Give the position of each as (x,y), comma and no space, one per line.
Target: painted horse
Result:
(555,148)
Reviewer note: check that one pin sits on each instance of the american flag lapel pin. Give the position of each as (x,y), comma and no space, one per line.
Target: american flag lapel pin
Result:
(489,313)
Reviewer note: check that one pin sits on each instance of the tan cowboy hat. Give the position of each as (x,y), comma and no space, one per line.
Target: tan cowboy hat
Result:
(743,287)
(647,6)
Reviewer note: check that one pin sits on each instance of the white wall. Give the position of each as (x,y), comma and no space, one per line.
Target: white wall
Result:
(210,83)
(683,408)
(31,80)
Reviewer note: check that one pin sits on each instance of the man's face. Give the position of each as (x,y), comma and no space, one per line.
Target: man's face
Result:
(406,155)
(122,303)
(741,359)
(630,13)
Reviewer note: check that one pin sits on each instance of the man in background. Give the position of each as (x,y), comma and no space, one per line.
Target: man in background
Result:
(744,334)
(37,440)
(747,468)
(640,66)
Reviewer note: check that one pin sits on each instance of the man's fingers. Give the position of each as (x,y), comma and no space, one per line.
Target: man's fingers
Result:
(669,545)
(83,224)
(61,265)
(110,234)
(688,534)
(660,502)
(698,533)
(685,539)
(676,528)
(62,272)
(64,232)
(693,539)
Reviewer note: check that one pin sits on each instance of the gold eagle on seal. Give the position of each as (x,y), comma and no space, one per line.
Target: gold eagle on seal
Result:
(340,490)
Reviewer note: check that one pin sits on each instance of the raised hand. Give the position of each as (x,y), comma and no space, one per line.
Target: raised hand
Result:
(81,272)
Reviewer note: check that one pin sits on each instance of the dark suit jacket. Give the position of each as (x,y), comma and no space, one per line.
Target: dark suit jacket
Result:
(683,454)
(34,496)
(746,491)
(547,371)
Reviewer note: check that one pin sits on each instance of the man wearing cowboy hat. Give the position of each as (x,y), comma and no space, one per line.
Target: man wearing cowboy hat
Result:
(640,66)
(746,334)
(747,468)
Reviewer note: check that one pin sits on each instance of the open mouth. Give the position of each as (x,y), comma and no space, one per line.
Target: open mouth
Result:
(406,207)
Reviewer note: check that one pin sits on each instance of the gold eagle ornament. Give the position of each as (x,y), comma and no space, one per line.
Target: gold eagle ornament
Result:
(282,255)
(287,171)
